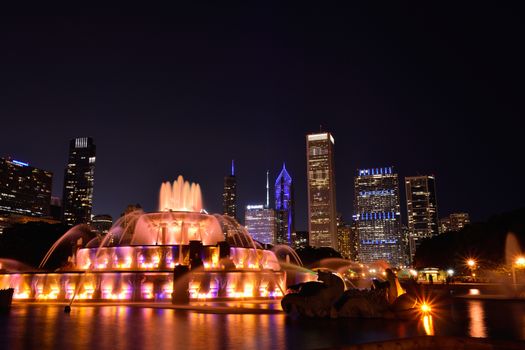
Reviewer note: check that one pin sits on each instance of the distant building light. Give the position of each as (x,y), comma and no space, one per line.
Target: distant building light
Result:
(17,162)
(319,137)
(258,206)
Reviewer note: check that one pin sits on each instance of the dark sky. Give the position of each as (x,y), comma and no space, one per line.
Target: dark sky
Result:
(185,90)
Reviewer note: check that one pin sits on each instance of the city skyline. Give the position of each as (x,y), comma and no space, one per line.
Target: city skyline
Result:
(193,91)
(259,198)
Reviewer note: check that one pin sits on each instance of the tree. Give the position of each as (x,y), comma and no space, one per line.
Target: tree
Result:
(485,241)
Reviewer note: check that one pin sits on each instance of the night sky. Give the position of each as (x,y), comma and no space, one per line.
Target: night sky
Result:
(433,90)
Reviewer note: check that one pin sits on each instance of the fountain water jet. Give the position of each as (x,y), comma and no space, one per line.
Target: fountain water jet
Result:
(512,254)
(12,265)
(512,249)
(73,234)
(284,252)
(181,196)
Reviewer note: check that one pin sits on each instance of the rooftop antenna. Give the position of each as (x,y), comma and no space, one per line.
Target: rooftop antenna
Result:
(320,128)
(267,189)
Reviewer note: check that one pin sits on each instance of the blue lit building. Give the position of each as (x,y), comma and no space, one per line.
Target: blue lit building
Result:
(378,217)
(284,207)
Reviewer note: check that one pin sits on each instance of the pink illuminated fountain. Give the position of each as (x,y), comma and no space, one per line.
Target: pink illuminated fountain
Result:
(181,196)
(136,259)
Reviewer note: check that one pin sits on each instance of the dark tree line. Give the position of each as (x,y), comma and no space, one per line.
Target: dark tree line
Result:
(29,243)
(485,241)
(309,255)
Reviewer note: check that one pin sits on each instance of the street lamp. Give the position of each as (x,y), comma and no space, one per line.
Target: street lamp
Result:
(471,263)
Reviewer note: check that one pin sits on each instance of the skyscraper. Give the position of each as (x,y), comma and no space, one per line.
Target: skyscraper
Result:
(378,216)
(229,194)
(453,222)
(421,209)
(24,190)
(322,219)
(77,200)
(260,221)
(343,237)
(300,239)
(102,223)
(284,207)
(354,242)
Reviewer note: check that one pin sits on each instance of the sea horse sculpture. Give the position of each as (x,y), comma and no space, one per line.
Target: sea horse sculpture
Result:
(314,299)
(328,298)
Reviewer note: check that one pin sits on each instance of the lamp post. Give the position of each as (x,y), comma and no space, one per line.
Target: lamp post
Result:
(471,263)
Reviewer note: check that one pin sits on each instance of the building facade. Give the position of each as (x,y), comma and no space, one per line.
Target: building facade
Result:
(378,216)
(300,239)
(102,223)
(284,207)
(229,194)
(77,200)
(24,190)
(261,223)
(354,242)
(453,222)
(322,219)
(343,238)
(422,209)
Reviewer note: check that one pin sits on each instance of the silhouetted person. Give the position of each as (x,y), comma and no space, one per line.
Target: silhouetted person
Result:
(430,279)
(195,262)
(228,263)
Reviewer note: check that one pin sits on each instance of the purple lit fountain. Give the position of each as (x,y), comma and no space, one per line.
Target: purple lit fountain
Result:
(136,259)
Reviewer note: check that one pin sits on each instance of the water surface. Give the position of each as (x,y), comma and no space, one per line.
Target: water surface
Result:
(110,327)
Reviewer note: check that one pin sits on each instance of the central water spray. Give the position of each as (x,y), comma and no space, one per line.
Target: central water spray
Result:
(181,196)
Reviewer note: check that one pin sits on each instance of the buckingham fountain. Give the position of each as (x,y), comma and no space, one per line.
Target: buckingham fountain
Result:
(136,260)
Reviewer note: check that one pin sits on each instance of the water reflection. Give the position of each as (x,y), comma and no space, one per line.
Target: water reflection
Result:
(428,324)
(477,326)
(110,327)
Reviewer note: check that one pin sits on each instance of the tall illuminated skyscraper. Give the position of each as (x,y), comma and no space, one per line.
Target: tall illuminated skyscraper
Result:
(421,209)
(229,194)
(322,218)
(284,207)
(78,181)
(377,215)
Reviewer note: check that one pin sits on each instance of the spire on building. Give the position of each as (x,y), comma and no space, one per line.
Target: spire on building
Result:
(267,189)
(229,194)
